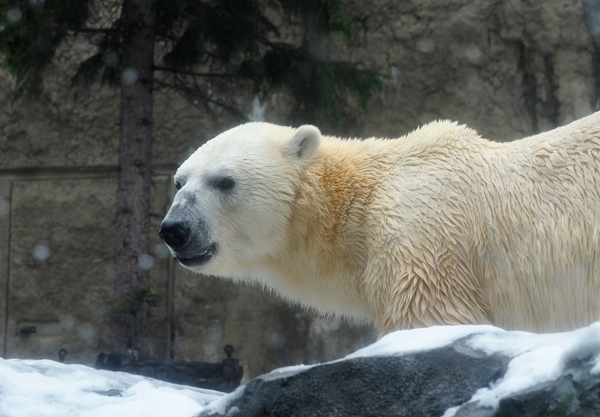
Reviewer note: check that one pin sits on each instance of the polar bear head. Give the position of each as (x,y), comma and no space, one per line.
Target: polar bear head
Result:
(235,197)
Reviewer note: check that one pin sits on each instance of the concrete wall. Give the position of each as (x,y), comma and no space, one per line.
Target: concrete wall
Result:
(507,68)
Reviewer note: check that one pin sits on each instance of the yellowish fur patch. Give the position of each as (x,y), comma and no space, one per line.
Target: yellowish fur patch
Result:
(444,227)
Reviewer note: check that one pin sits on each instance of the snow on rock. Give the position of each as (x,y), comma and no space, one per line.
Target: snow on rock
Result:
(407,341)
(45,388)
(454,371)
(536,358)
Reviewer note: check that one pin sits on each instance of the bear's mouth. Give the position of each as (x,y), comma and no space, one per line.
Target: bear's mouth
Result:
(192,259)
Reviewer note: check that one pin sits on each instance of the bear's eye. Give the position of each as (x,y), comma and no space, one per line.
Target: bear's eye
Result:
(178,185)
(225,184)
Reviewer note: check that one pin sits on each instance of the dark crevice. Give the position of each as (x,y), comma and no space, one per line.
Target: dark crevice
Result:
(7,279)
(540,88)
(591,12)
(552,104)
(530,94)
(595,97)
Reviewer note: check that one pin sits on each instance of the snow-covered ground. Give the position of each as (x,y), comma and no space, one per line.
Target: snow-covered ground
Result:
(45,388)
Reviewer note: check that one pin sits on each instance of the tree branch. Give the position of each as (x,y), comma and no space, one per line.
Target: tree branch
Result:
(193,74)
(230,109)
(195,93)
(91,30)
(98,30)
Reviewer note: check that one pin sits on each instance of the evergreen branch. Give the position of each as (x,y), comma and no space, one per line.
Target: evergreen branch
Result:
(106,31)
(234,111)
(230,109)
(193,74)
(275,45)
(195,92)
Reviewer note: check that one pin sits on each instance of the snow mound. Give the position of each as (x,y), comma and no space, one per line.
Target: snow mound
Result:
(45,388)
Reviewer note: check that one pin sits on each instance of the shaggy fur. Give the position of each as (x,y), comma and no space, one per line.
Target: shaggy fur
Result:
(437,227)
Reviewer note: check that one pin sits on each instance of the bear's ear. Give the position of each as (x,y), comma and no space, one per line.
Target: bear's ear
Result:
(303,144)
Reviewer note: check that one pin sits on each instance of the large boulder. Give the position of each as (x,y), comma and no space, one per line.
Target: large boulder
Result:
(476,371)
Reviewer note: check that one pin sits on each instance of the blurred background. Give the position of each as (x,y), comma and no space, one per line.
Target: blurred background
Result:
(507,68)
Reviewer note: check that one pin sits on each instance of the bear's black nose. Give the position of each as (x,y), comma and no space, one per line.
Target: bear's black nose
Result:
(174,233)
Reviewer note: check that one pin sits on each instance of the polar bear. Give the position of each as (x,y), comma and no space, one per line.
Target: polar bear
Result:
(436,227)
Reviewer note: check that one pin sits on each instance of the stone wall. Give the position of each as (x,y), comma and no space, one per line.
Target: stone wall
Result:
(507,68)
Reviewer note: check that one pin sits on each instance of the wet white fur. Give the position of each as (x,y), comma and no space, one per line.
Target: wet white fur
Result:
(437,227)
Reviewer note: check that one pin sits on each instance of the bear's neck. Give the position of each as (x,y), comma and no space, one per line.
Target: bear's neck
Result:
(326,253)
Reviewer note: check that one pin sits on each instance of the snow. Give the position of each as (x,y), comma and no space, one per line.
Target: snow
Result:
(408,341)
(290,370)
(536,358)
(46,389)
(221,405)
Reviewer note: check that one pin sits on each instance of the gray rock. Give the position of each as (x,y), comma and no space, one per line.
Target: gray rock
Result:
(437,382)
(574,394)
(424,383)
